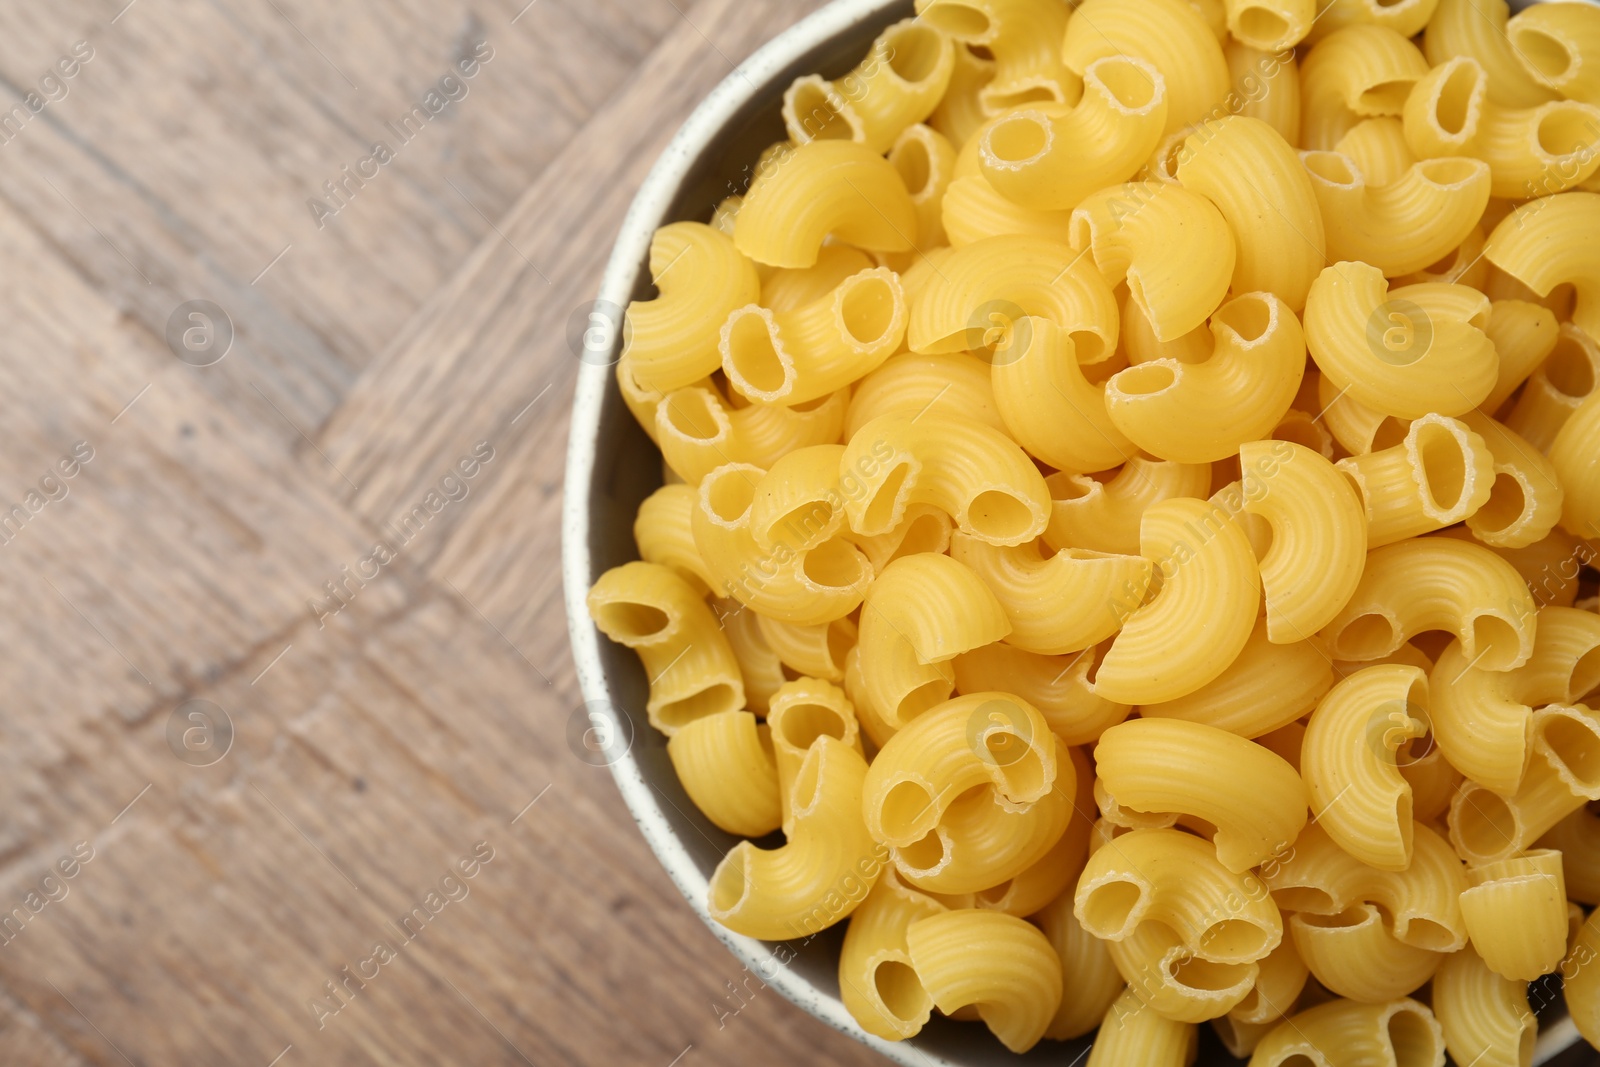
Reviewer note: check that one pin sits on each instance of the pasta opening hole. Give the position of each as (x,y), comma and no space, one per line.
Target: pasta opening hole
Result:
(907,811)
(1128,81)
(925,855)
(629,621)
(1370,636)
(1414,1041)
(729,883)
(1390,432)
(1442,464)
(1022,94)
(813,105)
(1507,501)
(913,51)
(1097,657)
(1569,369)
(1021,778)
(867,309)
(920,699)
(835,564)
(915,166)
(881,508)
(1450,172)
(1497,641)
(901,991)
(1065,488)
(753,358)
(1349,918)
(998,516)
(1107,907)
(727,493)
(801,724)
(1425,933)
(690,413)
(1304,899)
(1147,379)
(1297,428)
(1565,130)
(1262,28)
(1585,676)
(924,533)
(1332,167)
(1576,746)
(1385,98)
(709,701)
(959,20)
(1453,107)
(1234,939)
(807,787)
(1485,823)
(1251,317)
(1208,975)
(1019,138)
(1091,348)
(1542,52)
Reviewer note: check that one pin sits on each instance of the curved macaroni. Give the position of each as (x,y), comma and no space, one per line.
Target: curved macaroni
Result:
(1516,912)
(898,84)
(728,772)
(877,983)
(1485,1018)
(1265,688)
(1442,473)
(998,963)
(1357,71)
(1401,1033)
(1541,245)
(821,188)
(701,277)
(1477,28)
(1050,407)
(1104,514)
(1169,35)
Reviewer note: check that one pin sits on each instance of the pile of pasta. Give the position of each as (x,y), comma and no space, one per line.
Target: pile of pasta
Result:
(1132,470)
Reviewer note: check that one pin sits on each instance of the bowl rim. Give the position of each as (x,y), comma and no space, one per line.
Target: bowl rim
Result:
(648,210)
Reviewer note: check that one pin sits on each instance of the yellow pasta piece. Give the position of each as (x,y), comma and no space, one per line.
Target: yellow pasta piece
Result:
(1266,688)
(1356,955)
(760,666)
(1556,388)
(1404,17)
(1542,245)
(691,670)
(1051,158)
(1176,982)
(1526,499)
(926,161)
(1485,1017)
(1358,71)
(898,84)
(821,188)
(1173,247)
(1022,36)
(1581,980)
(924,528)
(1524,334)
(1271,25)
(1560,49)
(953,383)
(877,983)
(1048,404)
(1058,686)
(1575,454)
(1198,413)
(800,713)
(999,963)
(663,533)
(815,651)
(1516,913)
(1266,86)
(973,210)
(1400,1033)
(1281,980)
(1203,558)
(789,289)
(820,874)
(697,431)
(1132,1032)
(959,115)
(1103,513)
(728,772)
(1577,838)
(1090,982)
(1477,28)
(1169,35)
(798,503)
(1157,765)
(1406,352)
(1440,474)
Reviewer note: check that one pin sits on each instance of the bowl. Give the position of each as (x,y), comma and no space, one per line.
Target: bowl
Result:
(612,466)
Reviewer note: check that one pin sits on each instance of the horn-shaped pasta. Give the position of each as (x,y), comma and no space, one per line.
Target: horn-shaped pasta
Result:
(1541,244)
(1530,887)
(898,84)
(1200,413)
(800,713)
(1576,458)
(1050,158)
(1265,688)
(1169,35)
(1056,603)
(1402,226)
(1556,388)
(1437,583)
(1266,86)
(1090,982)
(1203,558)
(953,383)
(1018,989)
(1482,719)
(1356,72)
(1271,25)
(1531,151)
(1317,877)
(728,772)
(1348,762)
(821,188)
(1173,877)
(1048,404)
(1440,474)
(876,980)
(1563,773)
(906,647)
(791,357)
(1319,536)
(1174,980)
(1356,955)
(1274,214)
(804,885)
(814,651)
(968,470)
(1058,686)
(1401,1033)
(652,610)
(1405,352)
(1011,276)
(798,501)
(1560,49)
(808,586)
(1477,28)
(982,739)
(671,341)
(1486,1018)
(1526,499)
(1173,247)
(1104,515)
(698,432)
(1022,37)
(1157,765)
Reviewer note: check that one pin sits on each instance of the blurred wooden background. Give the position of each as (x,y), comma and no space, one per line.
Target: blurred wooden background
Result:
(374,348)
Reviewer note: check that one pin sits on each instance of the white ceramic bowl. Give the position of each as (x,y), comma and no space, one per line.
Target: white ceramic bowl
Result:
(612,466)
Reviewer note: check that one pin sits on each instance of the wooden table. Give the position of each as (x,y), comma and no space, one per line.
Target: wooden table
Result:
(224,882)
